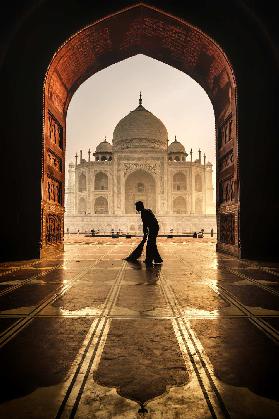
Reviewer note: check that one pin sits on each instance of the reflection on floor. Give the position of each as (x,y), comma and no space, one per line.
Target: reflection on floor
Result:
(85,334)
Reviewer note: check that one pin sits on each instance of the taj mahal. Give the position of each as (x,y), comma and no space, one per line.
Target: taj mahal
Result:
(139,164)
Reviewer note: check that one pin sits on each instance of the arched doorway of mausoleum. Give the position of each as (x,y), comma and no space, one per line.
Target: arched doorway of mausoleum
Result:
(140,186)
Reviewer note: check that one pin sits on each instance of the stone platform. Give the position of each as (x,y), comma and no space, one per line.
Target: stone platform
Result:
(85,334)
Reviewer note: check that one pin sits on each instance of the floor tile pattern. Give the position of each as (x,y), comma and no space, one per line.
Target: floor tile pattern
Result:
(85,334)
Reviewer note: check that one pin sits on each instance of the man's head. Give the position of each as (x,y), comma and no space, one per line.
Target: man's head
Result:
(139,205)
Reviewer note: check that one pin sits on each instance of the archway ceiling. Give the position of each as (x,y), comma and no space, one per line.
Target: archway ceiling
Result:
(140,30)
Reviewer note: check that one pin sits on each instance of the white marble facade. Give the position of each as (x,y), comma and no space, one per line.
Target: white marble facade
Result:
(139,165)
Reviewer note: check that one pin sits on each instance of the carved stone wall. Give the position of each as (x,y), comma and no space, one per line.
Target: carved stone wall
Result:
(55,131)
(54,225)
(227,228)
(53,180)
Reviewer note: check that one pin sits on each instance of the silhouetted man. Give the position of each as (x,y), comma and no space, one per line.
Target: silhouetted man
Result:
(150,231)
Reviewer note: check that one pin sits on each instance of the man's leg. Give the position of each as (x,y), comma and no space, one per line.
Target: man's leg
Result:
(157,257)
(150,249)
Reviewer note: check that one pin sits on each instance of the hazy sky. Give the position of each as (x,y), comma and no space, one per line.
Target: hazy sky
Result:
(175,98)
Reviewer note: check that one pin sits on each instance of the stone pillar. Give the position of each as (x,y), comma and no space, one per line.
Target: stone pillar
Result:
(165,181)
(204,185)
(123,193)
(191,183)
(88,184)
(114,188)
(210,206)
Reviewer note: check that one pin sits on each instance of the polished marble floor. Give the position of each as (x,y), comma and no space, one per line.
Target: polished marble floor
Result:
(85,334)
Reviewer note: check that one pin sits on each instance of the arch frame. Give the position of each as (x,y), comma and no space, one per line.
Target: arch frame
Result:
(145,29)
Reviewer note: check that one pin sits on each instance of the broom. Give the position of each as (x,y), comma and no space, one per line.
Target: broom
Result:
(137,252)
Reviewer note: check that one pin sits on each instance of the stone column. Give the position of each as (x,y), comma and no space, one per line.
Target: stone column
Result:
(204,185)
(88,184)
(192,186)
(114,187)
(122,188)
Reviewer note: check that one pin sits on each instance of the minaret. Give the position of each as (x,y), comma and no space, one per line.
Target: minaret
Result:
(191,183)
(140,100)
(199,155)
(70,191)
(89,154)
(80,158)
(204,184)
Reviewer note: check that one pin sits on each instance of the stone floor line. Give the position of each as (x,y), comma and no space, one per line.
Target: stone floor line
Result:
(62,289)
(17,268)
(258,322)
(254,281)
(31,278)
(211,394)
(92,352)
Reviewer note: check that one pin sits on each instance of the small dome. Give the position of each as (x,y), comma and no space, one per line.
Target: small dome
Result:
(140,129)
(104,147)
(71,164)
(176,147)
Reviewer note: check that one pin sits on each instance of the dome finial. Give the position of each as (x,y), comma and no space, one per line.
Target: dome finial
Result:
(175,138)
(105,138)
(140,99)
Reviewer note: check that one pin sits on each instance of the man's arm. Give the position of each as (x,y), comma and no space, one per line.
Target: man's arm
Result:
(145,229)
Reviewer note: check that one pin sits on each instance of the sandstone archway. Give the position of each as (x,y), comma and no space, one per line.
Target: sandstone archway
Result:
(145,30)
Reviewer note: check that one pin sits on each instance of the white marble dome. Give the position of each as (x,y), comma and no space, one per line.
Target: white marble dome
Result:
(176,147)
(140,129)
(104,147)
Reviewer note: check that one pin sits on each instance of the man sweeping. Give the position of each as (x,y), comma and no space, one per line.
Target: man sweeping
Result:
(150,233)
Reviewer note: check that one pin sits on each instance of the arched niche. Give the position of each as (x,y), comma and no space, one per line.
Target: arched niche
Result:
(198,206)
(101,182)
(82,182)
(101,205)
(142,29)
(198,183)
(179,205)
(82,206)
(179,182)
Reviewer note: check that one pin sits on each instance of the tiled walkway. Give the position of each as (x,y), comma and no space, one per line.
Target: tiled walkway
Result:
(87,335)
